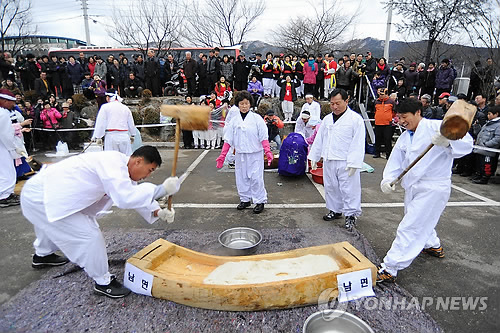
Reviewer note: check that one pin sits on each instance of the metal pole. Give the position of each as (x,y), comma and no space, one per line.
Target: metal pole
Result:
(86,21)
(388,33)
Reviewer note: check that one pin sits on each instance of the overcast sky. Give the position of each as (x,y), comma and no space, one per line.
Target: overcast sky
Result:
(65,18)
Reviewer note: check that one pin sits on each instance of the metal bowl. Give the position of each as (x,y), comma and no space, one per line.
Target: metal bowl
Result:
(240,241)
(342,321)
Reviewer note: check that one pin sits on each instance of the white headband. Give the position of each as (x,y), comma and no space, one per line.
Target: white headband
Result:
(7,97)
(114,97)
(309,95)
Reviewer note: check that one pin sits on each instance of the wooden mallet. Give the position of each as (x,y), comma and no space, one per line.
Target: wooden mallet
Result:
(455,125)
(189,118)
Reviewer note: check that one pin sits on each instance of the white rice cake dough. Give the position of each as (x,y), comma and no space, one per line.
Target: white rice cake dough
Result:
(262,271)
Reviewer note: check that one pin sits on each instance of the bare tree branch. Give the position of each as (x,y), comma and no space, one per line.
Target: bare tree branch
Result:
(15,20)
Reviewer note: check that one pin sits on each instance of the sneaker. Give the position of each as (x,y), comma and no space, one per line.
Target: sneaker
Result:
(48,261)
(332,216)
(114,289)
(258,208)
(11,200)
(350,222)
(195,146)
(376,156)
(475,177)
(243,205)
(231,166)
(384,276)
(437,252)
(482,180)
(466,174)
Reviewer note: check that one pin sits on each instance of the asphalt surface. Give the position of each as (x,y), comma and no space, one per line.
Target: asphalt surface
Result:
(206,203)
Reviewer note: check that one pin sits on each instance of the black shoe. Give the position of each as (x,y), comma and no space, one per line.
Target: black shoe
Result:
(332,216)
(11,200)
(48,261)
(376,156)
(243,205)
(114,289)
(456,171)
(475,177)
(466,174)
(258,208)
(350,222)
(481,180)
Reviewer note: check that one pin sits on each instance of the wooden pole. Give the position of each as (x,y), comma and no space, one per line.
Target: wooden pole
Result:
(419,157)
(176,153)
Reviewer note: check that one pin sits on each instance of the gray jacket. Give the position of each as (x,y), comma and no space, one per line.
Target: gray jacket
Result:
(489,136)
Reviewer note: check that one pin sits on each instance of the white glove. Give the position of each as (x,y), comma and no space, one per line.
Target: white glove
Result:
(314,165)
(167,215)
(439,140)
(21,152)
(387,188)
(98,141)
(350,171)
(172,185)
(132,138)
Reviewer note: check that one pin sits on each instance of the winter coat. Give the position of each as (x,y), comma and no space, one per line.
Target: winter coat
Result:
(257,85)
(320,75)
(50,116)
(370,68)
(124,72)
(54,70)
(411,80)
(190,68)
(309,74)
(293,83)
(101,69)
(226,69)
(444,78)
(429,80)
(241,70)
(382,72)
(274,124)
(91,68)
(384,111)
(171,68)
(433,112)
(344,76)
(489,136)
(151,67)
(74,72)
(139,70)
(114,75)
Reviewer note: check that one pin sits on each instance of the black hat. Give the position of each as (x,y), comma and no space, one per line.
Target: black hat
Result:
(270,113)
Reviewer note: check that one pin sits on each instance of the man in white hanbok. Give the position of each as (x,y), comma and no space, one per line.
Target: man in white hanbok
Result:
(247,134)
(340,141)
(427,186)
(313,107)
(115,123)
(8,151)
(304,125)
(64,199)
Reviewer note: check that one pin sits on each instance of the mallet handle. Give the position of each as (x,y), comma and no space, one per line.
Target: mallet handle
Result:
(412,164)
(176,153)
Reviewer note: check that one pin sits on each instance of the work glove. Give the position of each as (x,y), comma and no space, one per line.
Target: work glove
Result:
(167,215)
(98,141)
(314,165)
(222,156)
(350,171)
(386,187)
(439,140)
(172,185)
(132,139)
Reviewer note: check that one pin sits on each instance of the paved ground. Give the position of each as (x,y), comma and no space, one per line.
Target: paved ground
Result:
(206,202)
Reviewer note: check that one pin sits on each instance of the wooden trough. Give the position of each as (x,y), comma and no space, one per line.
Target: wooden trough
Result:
(178,275)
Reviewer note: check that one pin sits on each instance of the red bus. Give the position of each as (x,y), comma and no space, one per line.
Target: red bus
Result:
(177,52)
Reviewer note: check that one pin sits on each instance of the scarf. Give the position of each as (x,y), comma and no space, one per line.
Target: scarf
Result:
(311,63)
(381,67)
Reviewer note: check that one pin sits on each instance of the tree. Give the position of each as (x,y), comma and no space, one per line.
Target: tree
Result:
(431,20)
(222,22)
(318,34)
(482,26)
(15,21)
(147,24)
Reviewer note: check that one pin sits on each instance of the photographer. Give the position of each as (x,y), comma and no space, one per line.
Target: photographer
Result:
(273,124)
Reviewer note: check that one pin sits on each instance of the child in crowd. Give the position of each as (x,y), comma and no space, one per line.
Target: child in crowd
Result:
(489,137)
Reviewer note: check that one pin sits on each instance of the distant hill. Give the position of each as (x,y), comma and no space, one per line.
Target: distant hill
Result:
(413,51)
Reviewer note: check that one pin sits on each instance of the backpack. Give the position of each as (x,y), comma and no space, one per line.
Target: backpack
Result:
(293,156)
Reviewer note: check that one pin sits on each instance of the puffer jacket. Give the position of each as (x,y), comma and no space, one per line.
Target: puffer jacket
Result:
(489,136)
(444,78)
(226,69)
(50,117)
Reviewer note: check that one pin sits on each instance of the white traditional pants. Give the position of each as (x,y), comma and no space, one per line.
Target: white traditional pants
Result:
(300,89)
(276,89)
(119,141)
(249,172)
(328,87)
(268,86)
(78,236)
(287,107)
(7,173)
(342,193)
(425,201)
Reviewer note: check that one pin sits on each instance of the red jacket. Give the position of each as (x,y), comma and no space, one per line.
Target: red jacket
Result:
(384,111)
